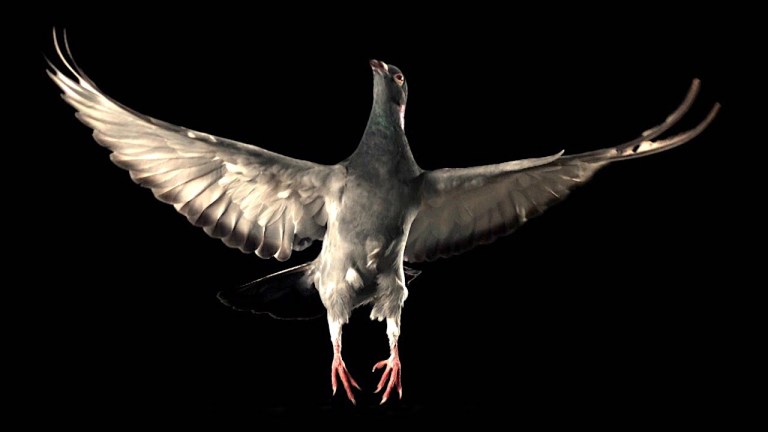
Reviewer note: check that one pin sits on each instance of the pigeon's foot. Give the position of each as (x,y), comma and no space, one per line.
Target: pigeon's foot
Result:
(392,372)
(338,367)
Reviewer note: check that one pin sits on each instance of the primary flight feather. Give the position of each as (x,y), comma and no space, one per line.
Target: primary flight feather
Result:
(372,211)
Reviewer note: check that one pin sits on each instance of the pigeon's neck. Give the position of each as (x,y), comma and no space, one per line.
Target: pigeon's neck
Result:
(387,121)
(384,141)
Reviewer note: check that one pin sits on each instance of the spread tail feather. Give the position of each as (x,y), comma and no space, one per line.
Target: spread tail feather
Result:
(289,294)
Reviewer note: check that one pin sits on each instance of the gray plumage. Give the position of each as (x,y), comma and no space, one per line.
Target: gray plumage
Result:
(373,211)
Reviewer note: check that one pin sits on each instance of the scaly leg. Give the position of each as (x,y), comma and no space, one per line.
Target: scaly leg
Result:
(392,370)
(337,366)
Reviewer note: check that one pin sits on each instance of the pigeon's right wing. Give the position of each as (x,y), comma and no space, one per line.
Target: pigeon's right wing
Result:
(464,207)
(250,198)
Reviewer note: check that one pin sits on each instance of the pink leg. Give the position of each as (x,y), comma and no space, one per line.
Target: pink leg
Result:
(392,372)
(391,376)
(338,367)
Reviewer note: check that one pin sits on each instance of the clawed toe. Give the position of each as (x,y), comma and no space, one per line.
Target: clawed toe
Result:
(391,377)
(339,368)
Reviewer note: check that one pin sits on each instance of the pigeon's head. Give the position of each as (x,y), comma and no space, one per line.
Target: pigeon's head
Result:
(389,83)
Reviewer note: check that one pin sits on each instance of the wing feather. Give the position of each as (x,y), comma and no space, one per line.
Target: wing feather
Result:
(252,199)
(462,208)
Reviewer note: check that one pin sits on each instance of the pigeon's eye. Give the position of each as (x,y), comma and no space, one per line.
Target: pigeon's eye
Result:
(399,79)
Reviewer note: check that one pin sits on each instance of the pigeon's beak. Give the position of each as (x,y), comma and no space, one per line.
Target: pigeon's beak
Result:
(379,66)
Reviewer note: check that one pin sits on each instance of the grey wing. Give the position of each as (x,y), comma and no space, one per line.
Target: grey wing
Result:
(250,198)
(465,207)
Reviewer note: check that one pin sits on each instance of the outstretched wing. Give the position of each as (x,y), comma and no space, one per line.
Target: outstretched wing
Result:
(462,208)
(250,198)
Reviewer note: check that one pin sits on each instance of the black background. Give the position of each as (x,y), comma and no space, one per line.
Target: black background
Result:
(613,304)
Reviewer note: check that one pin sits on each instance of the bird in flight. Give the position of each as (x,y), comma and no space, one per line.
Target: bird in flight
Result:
(373,211)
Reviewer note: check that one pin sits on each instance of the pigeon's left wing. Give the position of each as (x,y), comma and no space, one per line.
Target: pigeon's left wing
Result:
(464,207)
(252,199)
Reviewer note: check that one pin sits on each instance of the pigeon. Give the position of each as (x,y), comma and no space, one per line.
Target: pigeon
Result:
(373,212)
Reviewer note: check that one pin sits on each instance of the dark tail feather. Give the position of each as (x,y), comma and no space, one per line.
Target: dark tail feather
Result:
(289,294)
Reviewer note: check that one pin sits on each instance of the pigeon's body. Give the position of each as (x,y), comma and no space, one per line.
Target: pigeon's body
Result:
(362,258)
(373,211)
(388,189)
